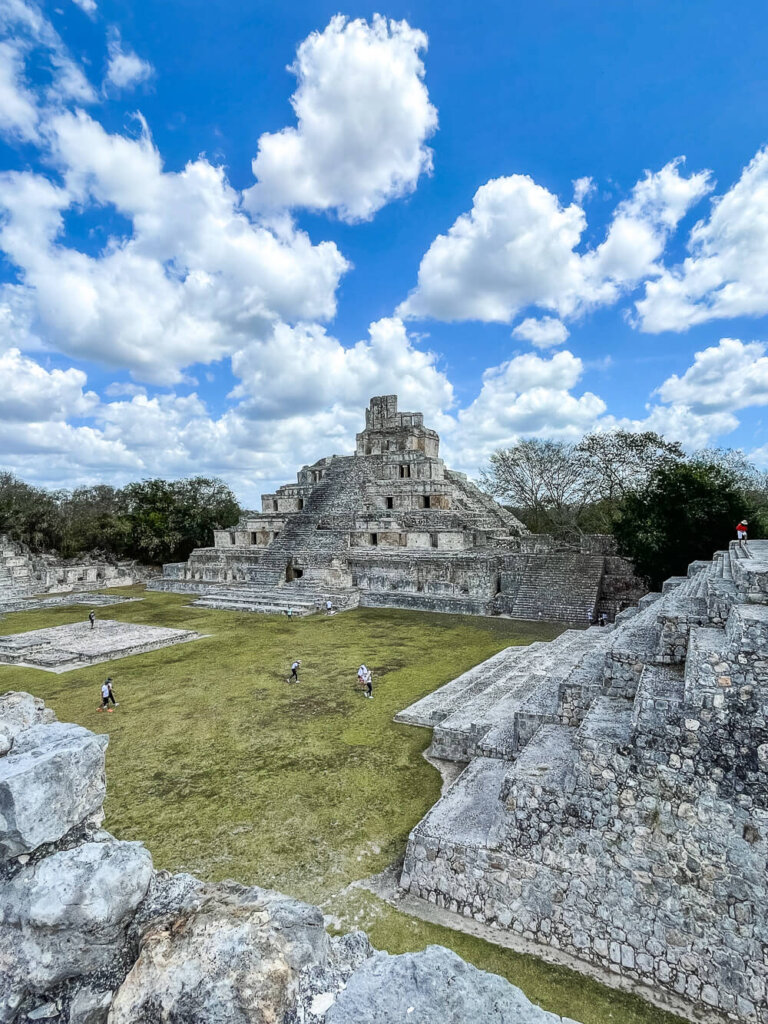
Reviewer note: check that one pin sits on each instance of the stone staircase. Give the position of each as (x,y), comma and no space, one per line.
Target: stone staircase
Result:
(563,587)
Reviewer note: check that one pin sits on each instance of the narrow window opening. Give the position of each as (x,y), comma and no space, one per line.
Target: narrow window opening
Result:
(390,502)
(427,501)
(433,539)
(374,539)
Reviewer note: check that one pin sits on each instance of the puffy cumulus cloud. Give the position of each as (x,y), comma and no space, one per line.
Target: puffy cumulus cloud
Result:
(86,6)
(544,333)
(363,115)
(306,370)
(196,280)
(528,396)
(728,376)
(32,394)
(726,273)
(125,69)
(517,248)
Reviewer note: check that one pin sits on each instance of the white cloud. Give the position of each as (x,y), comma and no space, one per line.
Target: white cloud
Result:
(307,371)
(528,396)
(517,248)
(544,333)
(196,280)
(583,188)
(87,6)
(725,377)
(363,115)
(33,394)
(18,106)
(30,33)
(125,69)
(726,273)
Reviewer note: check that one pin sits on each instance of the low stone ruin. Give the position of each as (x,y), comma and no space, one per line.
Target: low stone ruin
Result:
(615,801)
(63,648)
(391,526)
(23,573)
(90,933)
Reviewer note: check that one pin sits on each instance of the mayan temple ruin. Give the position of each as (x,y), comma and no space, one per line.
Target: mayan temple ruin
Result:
(614,805)
(391,526)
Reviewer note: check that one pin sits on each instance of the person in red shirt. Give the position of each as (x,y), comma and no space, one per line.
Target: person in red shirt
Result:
(741,532)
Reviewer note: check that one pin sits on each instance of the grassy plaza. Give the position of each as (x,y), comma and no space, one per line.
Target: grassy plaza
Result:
(225,769)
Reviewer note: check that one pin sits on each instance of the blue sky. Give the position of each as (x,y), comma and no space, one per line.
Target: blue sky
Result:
(526,219)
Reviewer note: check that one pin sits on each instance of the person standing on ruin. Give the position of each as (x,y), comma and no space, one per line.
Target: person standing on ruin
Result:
(741,533)
(92,618)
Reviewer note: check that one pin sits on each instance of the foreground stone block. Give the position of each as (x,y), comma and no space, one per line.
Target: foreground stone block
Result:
(51,780)
(67,916)
(226,953)
(433,987)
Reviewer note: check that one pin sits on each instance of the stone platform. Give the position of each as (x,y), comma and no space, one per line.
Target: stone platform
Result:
(63,648)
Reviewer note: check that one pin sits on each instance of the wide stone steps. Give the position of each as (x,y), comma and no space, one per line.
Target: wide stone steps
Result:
(439,704)
(460,735)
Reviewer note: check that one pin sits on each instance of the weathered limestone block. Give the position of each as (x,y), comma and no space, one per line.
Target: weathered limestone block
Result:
(223,953)
(433,987)
(19,711)
(51,780)
(67,916)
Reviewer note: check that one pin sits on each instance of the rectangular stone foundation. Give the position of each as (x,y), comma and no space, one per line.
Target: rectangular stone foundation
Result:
(63,648)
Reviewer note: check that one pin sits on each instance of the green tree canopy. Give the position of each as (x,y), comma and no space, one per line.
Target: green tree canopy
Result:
(151,520)
(686,511)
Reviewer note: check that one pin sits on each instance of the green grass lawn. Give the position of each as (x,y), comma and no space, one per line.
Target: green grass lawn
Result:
(225,769)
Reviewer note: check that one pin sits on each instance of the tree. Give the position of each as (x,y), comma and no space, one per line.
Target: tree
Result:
(544,481)
(686,511)
(29,514)
(167,519)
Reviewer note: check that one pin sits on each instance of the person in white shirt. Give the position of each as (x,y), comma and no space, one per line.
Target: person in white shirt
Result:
(105,698)
(294,672)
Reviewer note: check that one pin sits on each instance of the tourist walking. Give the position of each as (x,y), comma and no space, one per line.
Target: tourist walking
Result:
(361,672)
(329,607)
(294,672)
(105,698)
(108,681)
(368,685)
(92,618)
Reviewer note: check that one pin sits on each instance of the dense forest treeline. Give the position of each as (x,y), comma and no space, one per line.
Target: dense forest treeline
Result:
(153,521)
(665,508)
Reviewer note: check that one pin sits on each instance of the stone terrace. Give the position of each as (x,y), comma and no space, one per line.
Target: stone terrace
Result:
(63,648)
(615,805)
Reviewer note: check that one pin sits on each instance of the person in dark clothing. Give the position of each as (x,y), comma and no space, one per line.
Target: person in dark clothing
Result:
(295,672)
(92,618)
(111,691)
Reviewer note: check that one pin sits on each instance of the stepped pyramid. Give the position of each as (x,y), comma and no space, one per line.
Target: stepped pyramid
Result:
(615,800)
(391,526)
